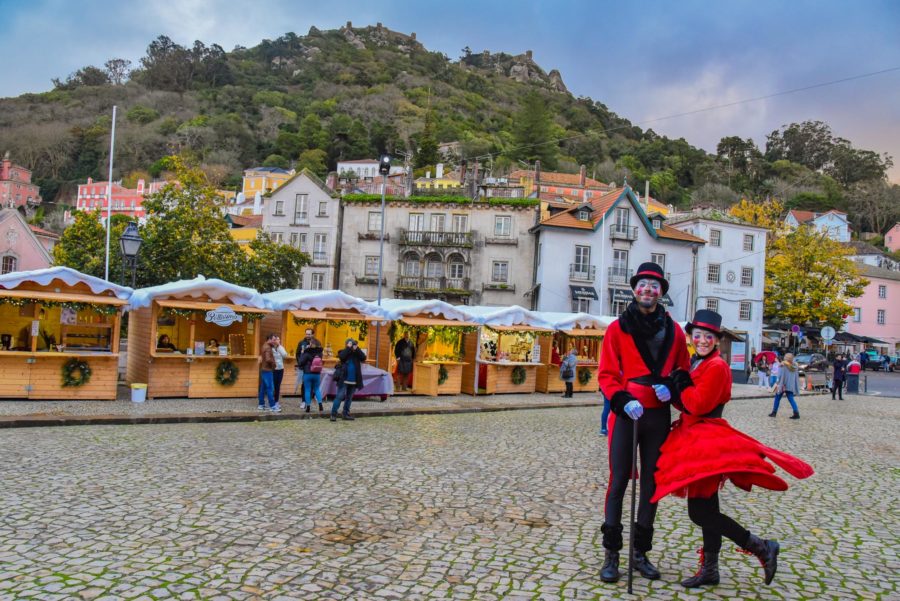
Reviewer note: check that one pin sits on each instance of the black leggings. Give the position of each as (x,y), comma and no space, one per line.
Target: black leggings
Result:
(653,428)
(715,524)
(569,389)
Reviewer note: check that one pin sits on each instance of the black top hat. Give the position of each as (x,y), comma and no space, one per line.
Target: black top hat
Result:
(706,319)
(650,270)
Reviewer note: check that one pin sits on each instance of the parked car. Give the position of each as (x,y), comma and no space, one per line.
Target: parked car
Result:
(811,362)
(878,363)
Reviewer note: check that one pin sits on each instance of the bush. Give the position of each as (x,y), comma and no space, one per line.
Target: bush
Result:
(141,114)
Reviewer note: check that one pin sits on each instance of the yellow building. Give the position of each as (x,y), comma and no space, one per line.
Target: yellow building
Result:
(264,180)
(244,229)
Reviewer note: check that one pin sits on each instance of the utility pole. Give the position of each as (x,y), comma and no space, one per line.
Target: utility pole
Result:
(112,145)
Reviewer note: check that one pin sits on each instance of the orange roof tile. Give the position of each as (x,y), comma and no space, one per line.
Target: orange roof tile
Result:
(600,205)
(802,216)
(553,177)
(667,231)
(43,232)
(247,220)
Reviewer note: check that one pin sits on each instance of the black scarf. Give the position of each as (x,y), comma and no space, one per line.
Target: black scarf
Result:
(643,327)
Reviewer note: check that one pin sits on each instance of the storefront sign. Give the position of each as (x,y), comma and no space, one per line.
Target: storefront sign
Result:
(738,355)
(618,294)
(223,316)
(579,292)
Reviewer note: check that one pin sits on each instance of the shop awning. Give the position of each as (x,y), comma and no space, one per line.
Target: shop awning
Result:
(582,292)
(418,320)
(522,328)
(666,301)
(207,305)
(620,295)
(584,332)
(39,295)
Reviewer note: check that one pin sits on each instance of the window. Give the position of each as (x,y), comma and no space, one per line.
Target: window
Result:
(303,242)
(618,306)
(623,217)
(323,209)
(659,259)
(857,314)
(882,291)
(411,266)
(460,223)
(712,273)
(712,304)
(301,208)
(584,215)
(277,237)
(372,265)
(278,209)
(582,258)
(416,222)
(581,305)
(657,223)
(374,221)
(748,243)
(500,272)
(295,239)
(456,269)
(880,317)
(10,264)
(318,281)
(437,222)
(320,250)
(746,276)
(434,267)
(715,237)
(745,311)
(502,226)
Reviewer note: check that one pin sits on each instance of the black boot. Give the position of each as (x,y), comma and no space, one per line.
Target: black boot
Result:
(796,415)
(766,551)
(708,572)
(612,543)
(643,542)
(773,414)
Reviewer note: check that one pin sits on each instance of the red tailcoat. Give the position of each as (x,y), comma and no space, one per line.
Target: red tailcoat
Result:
(701,453)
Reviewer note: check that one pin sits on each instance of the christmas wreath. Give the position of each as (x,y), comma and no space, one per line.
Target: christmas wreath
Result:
(518,375)
(227,373)
(584,376)
(443,374)
(76,372)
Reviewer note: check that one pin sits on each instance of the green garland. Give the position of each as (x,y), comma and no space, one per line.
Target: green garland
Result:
(518,375)
(527,335)
(360,324)
(227,373)
(584,376)
(449,335)
(76,366)
(101,308)
(443,374)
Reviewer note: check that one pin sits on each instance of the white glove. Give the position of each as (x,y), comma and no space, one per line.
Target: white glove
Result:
(662,392)
(634,409)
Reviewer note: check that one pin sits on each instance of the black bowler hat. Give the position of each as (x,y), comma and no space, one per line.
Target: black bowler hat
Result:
(650,270)
(707,320)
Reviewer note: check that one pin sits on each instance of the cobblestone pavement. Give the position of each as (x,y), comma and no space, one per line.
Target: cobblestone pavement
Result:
(474,506)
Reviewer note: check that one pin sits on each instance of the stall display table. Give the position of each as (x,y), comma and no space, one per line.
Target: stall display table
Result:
(376,382)
(426,377)
(496,377)
(38,375)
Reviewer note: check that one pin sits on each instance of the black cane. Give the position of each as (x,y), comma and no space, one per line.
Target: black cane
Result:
(634,443)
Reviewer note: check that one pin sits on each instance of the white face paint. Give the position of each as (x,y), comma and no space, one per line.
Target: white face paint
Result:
(704,341)
(647,292)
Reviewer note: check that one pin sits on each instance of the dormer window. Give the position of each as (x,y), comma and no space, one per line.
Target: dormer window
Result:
(657,223)
(584,215)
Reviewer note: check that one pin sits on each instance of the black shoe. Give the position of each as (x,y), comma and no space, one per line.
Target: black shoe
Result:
(307,408)
(796,415)
(708,572)
(348,417)
(766,551)
(320,407)
(643,565)
(333,417)
(610,570)
(772,414)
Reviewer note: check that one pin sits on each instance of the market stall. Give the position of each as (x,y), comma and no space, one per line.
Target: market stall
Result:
(59,335)
(506,350)
(196,338)
(333,316)
(436,331)
(573,330)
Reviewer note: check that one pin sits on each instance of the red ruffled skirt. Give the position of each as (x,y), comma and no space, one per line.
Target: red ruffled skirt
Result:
(701,454)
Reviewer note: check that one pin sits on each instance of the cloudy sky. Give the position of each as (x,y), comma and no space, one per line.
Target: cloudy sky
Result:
(644,59)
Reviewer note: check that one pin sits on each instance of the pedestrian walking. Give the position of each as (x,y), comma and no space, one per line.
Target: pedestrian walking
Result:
(703,452)
(774,370)
(266,379)
(788,383)
(349,378)
(567,372)
(763,369)
(280,354)
(837,379)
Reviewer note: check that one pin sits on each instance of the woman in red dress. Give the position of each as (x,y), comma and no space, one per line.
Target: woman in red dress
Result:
(703,451)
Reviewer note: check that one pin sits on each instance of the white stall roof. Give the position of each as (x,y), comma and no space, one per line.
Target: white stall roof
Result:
(396,308)
(318,300)
(571,321)
(196,288)
(43,277)
(506,316)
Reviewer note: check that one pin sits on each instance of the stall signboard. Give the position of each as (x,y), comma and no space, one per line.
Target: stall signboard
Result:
(738,355)
(223,316)
(618,294)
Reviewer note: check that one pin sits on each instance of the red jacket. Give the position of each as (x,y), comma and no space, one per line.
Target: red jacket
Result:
(712,386)
(621,361)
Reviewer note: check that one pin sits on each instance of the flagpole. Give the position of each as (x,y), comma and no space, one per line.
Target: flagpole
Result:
(112,145)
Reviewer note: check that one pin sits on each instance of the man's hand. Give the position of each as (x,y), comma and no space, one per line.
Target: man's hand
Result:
(662,392)
(634,409)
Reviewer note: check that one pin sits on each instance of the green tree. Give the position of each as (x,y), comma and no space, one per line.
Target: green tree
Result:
(276,160)
(82,245)
(427,148)
(273,266)
(311,133)
(533,133)
(314,160)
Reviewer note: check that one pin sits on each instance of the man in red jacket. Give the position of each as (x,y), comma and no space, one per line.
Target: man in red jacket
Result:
(640,350)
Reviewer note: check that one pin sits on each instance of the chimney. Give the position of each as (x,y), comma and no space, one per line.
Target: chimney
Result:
(582,178)
(646,195)
(439,171)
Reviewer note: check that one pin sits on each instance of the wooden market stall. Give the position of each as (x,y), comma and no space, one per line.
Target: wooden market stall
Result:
(59,335)
(573,330)
(506,350)
(192,314)
(436,330)
(333,316)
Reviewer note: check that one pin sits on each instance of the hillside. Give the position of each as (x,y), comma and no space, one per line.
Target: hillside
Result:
(356,92)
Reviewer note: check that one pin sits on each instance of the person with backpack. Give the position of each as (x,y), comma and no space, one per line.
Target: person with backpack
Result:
(348,377)
(310,366)
(567,372)
(405,353)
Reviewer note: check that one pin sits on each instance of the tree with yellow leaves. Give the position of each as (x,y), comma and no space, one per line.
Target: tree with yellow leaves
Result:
(768,214)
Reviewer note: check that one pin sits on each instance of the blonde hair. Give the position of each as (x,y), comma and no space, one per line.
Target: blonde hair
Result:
(789,357)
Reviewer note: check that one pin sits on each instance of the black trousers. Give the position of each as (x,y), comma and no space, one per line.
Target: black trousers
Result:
(715,524)
(277,377)
(837,386)
(569,388)
(652,430)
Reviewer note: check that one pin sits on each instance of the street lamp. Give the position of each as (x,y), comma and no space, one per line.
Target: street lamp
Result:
(130,243)
(384,169)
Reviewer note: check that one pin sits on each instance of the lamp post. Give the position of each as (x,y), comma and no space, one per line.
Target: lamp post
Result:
(384,168)
(130,243)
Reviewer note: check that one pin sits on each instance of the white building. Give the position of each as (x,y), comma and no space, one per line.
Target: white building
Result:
(833,222)
(305,213)
(363,168)
(863,252)
(587,253)
(730,271)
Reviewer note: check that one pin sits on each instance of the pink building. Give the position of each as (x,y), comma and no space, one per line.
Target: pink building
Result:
(16,189)
(877,312)
(125,201)
(892,238)
(20,249)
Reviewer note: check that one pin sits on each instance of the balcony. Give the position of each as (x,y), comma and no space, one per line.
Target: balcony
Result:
(498,287)
(621,231)
(433,284)
(371,280)
(579,272)
(373,236)
(429,238)
(620,275)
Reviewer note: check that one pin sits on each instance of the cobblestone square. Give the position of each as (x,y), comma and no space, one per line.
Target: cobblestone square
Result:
(474,506)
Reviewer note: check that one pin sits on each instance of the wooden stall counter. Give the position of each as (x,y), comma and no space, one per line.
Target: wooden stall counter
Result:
(427,377)
(194,376)
(548,379)
(497,377)
(38,375)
